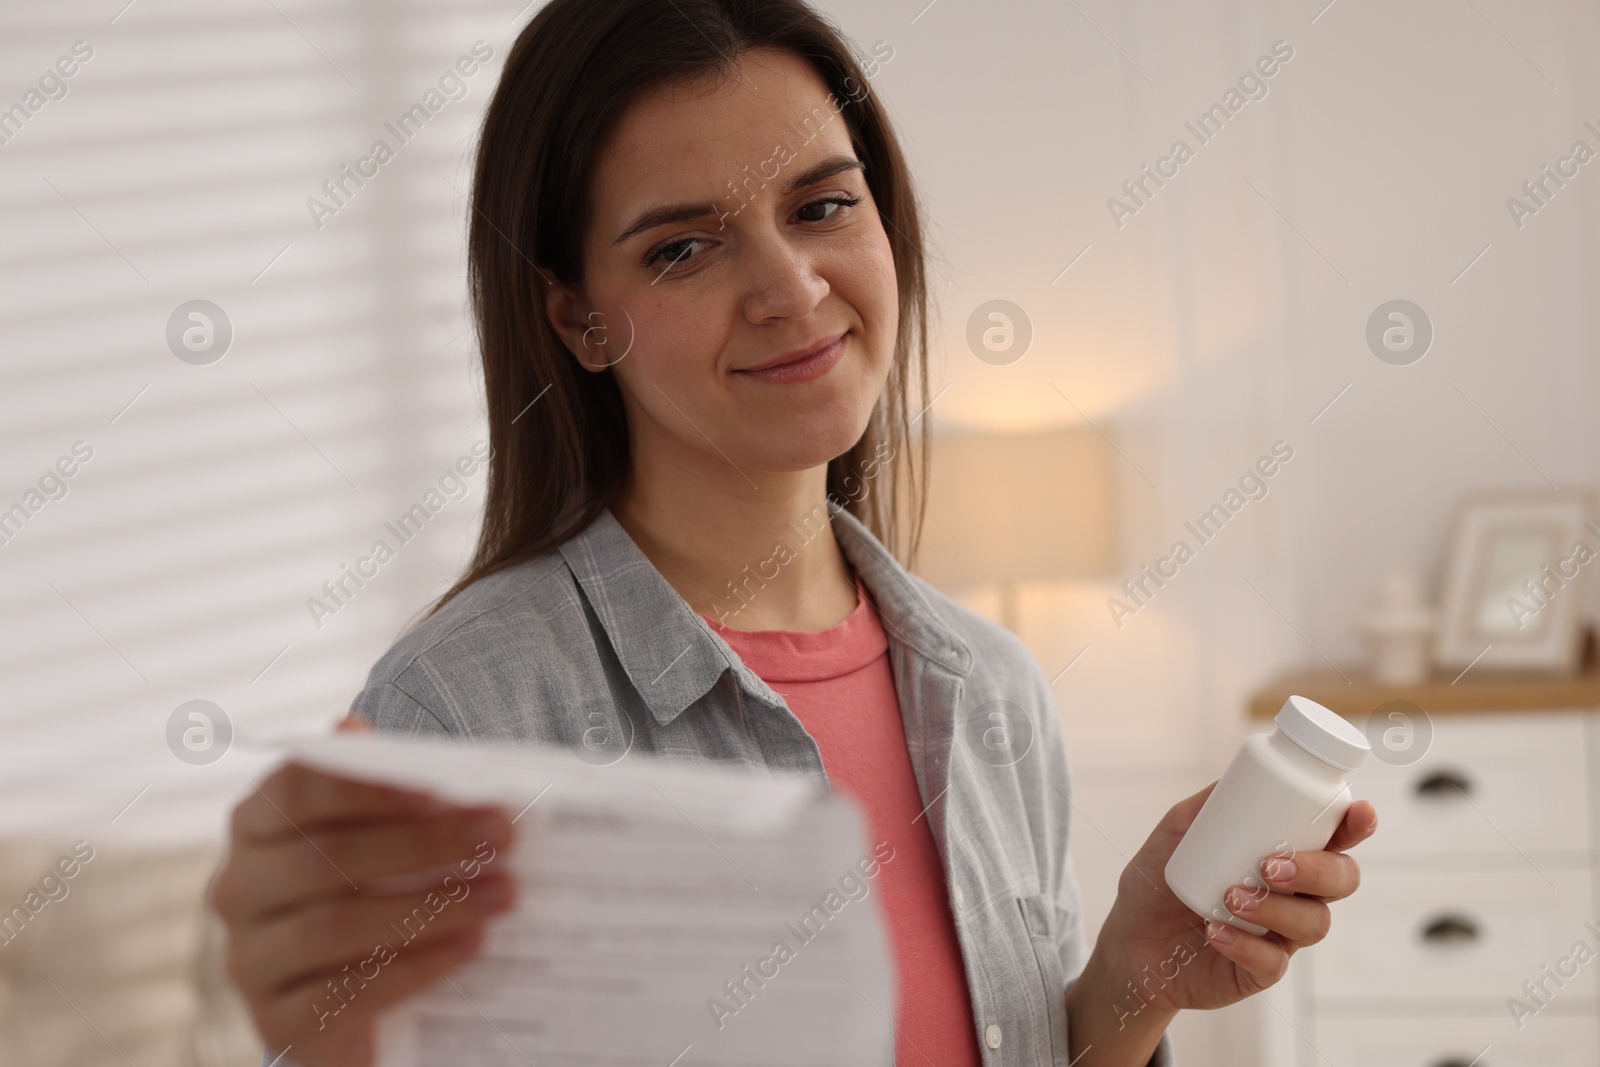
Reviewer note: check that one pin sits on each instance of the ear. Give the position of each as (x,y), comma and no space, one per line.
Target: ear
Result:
(570,317)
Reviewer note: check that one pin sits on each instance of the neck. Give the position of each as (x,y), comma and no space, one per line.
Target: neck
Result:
(753,556)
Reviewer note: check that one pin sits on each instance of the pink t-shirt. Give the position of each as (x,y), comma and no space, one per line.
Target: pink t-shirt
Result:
(838,683)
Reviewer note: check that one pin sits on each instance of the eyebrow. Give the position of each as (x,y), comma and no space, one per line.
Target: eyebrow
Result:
(660,216)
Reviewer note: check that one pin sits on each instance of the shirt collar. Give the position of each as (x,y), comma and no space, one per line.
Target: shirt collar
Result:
(672,655)
(903,607)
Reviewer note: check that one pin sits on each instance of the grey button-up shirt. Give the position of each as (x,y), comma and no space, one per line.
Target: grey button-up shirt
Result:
(588,647)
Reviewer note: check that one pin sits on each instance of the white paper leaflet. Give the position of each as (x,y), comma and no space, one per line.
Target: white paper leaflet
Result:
(667,916)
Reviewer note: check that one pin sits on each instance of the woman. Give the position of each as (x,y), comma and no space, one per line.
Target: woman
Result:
(698,281)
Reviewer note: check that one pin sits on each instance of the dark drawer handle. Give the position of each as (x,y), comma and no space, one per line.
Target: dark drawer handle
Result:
(1457,1061)
(1444,784)
(1450,930)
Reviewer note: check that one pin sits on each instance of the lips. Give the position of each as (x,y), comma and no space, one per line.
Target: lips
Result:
(800,365)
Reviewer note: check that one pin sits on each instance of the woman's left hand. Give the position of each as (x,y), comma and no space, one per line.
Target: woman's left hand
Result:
(1196,963)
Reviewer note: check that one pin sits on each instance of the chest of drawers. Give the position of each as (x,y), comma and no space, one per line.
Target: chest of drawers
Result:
(1475,936)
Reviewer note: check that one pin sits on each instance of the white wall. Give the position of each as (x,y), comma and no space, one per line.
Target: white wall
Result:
(1209,325)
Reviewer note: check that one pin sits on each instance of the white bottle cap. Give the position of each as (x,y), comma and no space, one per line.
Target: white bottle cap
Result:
(1326,735)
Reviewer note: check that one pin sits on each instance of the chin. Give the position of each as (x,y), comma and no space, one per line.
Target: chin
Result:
(795,444)
(814,422)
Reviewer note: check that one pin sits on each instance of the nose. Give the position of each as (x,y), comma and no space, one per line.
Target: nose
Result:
(783,280)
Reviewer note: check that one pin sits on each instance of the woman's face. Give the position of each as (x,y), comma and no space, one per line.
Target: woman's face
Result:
(724,247)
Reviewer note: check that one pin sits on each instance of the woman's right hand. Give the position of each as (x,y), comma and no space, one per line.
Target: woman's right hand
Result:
(342,898)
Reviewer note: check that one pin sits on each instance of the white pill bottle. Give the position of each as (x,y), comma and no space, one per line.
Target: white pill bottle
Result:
(1285,790)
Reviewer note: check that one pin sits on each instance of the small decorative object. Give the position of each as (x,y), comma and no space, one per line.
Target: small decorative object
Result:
(1513,584)
(1400,629)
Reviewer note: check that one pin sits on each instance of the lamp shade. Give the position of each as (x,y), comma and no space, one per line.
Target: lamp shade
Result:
(1017,507)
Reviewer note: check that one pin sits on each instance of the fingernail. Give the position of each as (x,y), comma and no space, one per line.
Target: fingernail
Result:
(1278,868)
(1221,933)
(1241,899)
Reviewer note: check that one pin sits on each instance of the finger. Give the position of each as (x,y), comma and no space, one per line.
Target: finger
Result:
(1263,957)
(295,798)
(278,874)
(1300,920)
(353,724)
(1359,823)
(1324,875)
(299,1009)
(292,947)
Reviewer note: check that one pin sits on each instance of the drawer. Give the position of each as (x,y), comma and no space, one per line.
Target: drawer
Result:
(1453,941)
(1445,1041)
(1488,784)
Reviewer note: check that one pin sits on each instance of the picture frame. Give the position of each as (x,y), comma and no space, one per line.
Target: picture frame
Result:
(1512,596)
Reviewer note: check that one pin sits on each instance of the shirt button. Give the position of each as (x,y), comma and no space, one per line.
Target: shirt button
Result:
(991,1036)
(958,898)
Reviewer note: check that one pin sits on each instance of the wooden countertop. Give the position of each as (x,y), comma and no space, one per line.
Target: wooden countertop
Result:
(1476,691)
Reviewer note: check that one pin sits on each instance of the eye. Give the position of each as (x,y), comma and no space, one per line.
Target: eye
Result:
(675,252)
(830,201)
(678,251)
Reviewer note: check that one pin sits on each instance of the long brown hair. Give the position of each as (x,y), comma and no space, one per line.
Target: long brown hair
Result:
(558,435)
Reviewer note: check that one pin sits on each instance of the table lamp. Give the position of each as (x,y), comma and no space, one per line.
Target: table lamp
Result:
(1010,508)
